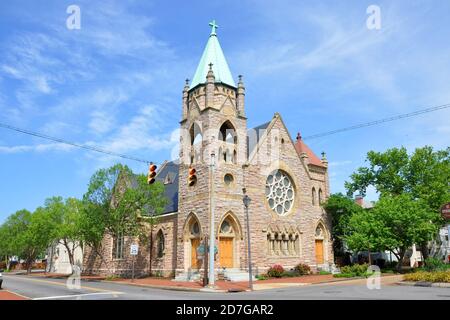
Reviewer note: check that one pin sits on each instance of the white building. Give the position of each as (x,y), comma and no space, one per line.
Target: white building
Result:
(58,258)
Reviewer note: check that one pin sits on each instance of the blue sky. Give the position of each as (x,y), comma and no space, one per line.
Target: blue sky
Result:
(116,83)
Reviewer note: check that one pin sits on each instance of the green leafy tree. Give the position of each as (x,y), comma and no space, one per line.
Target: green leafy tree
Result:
(29,234)
(66,215)
(341,208)
(423,175)
(120,203)
(394,224)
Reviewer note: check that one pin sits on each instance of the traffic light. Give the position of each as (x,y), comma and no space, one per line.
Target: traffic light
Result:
(192,177)
(151,174)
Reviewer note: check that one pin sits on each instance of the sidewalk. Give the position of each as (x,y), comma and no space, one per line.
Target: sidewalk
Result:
(227,286)
(8,295)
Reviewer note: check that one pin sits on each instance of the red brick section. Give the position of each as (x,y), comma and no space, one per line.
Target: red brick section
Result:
(8,295)
(223,285)
(226,285)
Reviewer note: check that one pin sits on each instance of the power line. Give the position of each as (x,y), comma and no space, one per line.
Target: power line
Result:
(91,148)
(124,156)
(376,122)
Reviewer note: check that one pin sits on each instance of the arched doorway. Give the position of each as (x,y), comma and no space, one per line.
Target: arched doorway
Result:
(320,239)
(229,237)
(192,242)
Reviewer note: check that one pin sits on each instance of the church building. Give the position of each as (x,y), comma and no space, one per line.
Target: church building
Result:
(220,161)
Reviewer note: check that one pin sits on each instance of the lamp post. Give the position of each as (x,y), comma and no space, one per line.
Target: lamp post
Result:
(247,201)
(212,236)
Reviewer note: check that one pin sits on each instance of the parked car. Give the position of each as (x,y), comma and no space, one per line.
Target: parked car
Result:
(1,278)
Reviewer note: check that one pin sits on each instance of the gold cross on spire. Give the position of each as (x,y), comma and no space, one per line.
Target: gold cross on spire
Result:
(214,26)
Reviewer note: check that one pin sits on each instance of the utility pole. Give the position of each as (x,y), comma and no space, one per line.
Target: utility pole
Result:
(212,236)
(247,201)
(205,261)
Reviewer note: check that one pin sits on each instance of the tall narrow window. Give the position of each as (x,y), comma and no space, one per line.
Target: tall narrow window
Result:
(313,196)
(160,244)
(118,244)
(320,196)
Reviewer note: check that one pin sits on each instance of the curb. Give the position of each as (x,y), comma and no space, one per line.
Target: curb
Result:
(424,284)
(156,286)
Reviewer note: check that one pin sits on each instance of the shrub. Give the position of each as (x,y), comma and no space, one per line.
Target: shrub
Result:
(323,272)
(344,275)
(357,270)
(275,271)
(262,277)
(302,269)
(289,274)
(435,264)
(437,276)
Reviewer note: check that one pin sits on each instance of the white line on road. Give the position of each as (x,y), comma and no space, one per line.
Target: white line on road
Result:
(113,293)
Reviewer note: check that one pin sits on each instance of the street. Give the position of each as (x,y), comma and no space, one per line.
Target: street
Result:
(39,288)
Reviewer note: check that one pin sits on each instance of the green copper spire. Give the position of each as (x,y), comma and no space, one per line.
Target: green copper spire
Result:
(213,54)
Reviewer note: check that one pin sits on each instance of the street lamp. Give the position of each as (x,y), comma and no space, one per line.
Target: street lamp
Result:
(246,199)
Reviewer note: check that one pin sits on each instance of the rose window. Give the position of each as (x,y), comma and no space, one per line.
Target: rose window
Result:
(279,192)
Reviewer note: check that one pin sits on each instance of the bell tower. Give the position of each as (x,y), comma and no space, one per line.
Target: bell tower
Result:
(213,130)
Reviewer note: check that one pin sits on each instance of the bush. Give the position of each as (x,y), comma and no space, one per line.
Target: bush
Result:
(275,271)
(358,270)
(344,275)
(323,272)
(437,276)
(302,269)
(435,264)
(262,277)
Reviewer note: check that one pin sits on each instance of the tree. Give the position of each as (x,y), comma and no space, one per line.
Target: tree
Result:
(341,208)
(29,234)
(423,175)
(394,224)
(116,203)
(67,218)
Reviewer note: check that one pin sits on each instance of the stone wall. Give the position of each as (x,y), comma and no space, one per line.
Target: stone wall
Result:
(105,264)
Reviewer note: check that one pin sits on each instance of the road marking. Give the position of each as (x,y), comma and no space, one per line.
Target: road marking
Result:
(60,284)
(113,293)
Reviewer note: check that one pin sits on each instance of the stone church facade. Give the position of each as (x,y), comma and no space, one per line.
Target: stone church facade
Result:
(284,179)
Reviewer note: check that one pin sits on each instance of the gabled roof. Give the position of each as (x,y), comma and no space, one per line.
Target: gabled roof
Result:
(169,169)
(213,54)
(300,146)
(253,136)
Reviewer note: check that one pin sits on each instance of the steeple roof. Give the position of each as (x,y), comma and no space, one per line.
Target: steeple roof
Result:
(213,54)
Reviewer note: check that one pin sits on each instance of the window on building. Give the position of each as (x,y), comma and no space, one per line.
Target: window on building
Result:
(118,244)
(320,196)
(160,244)
(313,196)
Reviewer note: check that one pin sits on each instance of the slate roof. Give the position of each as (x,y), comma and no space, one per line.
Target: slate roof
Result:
(253,136)
(169,171)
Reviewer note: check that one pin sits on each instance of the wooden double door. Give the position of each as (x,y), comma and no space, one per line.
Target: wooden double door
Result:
(226,254)
(195,262)
(319,251)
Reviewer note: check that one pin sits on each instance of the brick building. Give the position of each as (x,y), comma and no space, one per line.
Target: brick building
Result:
(285,180)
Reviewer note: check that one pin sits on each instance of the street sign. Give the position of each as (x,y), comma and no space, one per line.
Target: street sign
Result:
(134,249)
(201,250)
(445,211)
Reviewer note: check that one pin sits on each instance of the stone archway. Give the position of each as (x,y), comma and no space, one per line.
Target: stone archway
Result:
(321,244)
(229,237)
(192,240)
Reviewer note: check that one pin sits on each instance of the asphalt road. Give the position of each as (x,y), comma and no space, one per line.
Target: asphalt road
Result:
(44,289)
